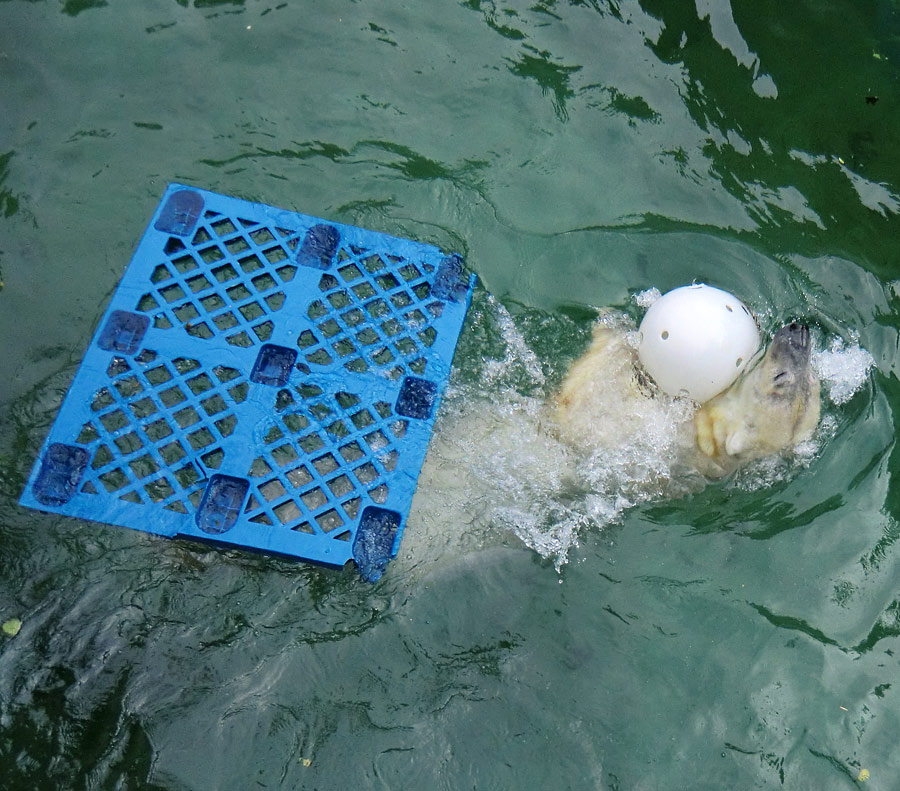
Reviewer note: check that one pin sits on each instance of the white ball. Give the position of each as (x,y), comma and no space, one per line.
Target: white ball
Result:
(696,340)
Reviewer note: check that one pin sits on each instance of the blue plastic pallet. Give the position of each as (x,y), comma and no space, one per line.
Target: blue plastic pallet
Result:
(262,379)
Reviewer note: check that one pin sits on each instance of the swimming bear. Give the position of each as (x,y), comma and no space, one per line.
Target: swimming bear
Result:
(607,400)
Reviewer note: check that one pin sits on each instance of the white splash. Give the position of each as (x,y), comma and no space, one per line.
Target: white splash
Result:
(644,299)
(843,369)
(518,352)
(496,468)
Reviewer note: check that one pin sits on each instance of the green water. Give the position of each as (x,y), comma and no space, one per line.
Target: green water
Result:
(576,153)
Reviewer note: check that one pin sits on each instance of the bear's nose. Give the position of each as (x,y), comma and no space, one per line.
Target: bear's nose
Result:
(801,332)
(795,334)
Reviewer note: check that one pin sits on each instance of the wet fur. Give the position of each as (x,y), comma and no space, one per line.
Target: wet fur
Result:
(606,399)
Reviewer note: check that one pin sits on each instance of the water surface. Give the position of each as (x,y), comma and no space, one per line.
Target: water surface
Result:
(576,153)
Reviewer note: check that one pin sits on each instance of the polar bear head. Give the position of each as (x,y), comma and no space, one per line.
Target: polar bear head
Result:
(772,407)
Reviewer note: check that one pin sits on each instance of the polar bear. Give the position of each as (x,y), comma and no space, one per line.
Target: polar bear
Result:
(607,400)
(504,467)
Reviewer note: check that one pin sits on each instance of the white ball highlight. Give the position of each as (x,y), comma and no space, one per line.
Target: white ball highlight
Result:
(696,340)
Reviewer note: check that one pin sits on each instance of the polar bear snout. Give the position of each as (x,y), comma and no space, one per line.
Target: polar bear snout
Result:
(794,336)
(791,346)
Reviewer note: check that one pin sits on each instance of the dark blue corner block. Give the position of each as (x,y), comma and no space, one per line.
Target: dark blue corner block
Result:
(319,246)
(61,471)
(416,397)
(123,332)
(450,282)
(273,365)
(374,542)
(221,504)
(180,213)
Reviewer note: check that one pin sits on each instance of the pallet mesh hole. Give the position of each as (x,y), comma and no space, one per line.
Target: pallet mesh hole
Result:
(212,302)
(275,254)
(311,443)
(275,301)
(376,440)
(238,245)
(147,303)
(223,227)
(338,429)
(172,452)
(326,464)
(306,339)
(272,490)
(143,408)
(350,273)
(284,455)
(262,236)
(340,486)
(113,480)
(295,422)
(88,434)
(287,512)
(114,421)
(353,317)
(173,245)
(379,494)
(264,331)
(389,460)
(351,507)
(259,468)
(351,452)
(201,439)
(213,460)
(286,273)
(240,339)
(143,467)
(299,477)
(186,417)
(366,473)
(198,283)
(128,443)
(357,365)
(102,457)
(187,476)
(158,430)
(329,520)
(314,498)
(329,328)
(226,321)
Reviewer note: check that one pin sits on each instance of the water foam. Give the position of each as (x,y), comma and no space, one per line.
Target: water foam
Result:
(496,467)
(842,368)
(644,299)
(518,353)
